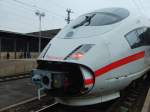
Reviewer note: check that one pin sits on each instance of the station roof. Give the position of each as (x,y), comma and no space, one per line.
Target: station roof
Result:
(45,34)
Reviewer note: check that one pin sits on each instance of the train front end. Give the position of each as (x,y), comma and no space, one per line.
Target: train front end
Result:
(65,78)
(68,66)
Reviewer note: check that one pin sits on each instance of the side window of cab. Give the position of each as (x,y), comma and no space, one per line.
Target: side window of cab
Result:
(138,37)
(144,36)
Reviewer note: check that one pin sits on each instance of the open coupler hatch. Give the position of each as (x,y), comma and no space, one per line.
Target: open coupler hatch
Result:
(61,79)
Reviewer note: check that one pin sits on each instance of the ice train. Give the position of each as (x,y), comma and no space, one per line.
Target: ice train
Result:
(95,56)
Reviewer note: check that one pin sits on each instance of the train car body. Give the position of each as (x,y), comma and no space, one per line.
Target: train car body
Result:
(94,57)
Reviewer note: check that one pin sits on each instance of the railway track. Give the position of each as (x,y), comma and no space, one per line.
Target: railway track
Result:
(30,105)
(131,100)
(15,77)
(62,108)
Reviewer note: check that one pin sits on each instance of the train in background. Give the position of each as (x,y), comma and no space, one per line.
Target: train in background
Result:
(95,57)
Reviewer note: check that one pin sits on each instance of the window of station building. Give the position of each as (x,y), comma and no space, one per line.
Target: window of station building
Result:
(138,37)
(7,45)
(20,45)
(34,45)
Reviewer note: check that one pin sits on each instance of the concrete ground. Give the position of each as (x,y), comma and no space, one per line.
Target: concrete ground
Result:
(15,91)
(146,107)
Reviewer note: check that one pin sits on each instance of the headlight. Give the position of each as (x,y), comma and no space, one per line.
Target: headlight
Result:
(79,52)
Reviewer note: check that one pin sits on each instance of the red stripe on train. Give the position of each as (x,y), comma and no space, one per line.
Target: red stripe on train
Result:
(118,63)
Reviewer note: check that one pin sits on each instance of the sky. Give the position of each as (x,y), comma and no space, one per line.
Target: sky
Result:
(19,15)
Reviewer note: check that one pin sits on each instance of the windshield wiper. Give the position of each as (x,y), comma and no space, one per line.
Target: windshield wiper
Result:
(87,19)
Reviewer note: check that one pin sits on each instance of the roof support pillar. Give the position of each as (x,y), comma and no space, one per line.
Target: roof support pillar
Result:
(15,45)
(28,49)
(0,47)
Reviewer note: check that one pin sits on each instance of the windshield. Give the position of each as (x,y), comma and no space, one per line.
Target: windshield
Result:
(100,21)
(101,18)
(86,21)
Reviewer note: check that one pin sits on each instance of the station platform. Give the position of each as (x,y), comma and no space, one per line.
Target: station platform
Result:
(15,91)
(146,106)
(16,66)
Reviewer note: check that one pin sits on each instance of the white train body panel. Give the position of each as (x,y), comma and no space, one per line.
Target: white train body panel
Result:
(101,57)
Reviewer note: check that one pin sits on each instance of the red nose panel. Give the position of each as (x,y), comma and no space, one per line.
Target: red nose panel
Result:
(88,81)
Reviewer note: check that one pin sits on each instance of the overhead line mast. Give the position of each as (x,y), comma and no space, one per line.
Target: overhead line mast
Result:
(40,15)
(68,19)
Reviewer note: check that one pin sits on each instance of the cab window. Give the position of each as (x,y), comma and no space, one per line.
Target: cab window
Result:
(101,18)
(138,37)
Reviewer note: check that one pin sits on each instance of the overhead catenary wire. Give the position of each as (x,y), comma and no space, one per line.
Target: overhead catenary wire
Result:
(63,6)
(14,5)
(137,6)
(142,5)
(36,7)
(28,17)
(57,5)
(22,15)
(12,17)
(27,20)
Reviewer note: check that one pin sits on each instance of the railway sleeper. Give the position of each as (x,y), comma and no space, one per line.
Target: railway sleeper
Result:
(131,99)
(123,109)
